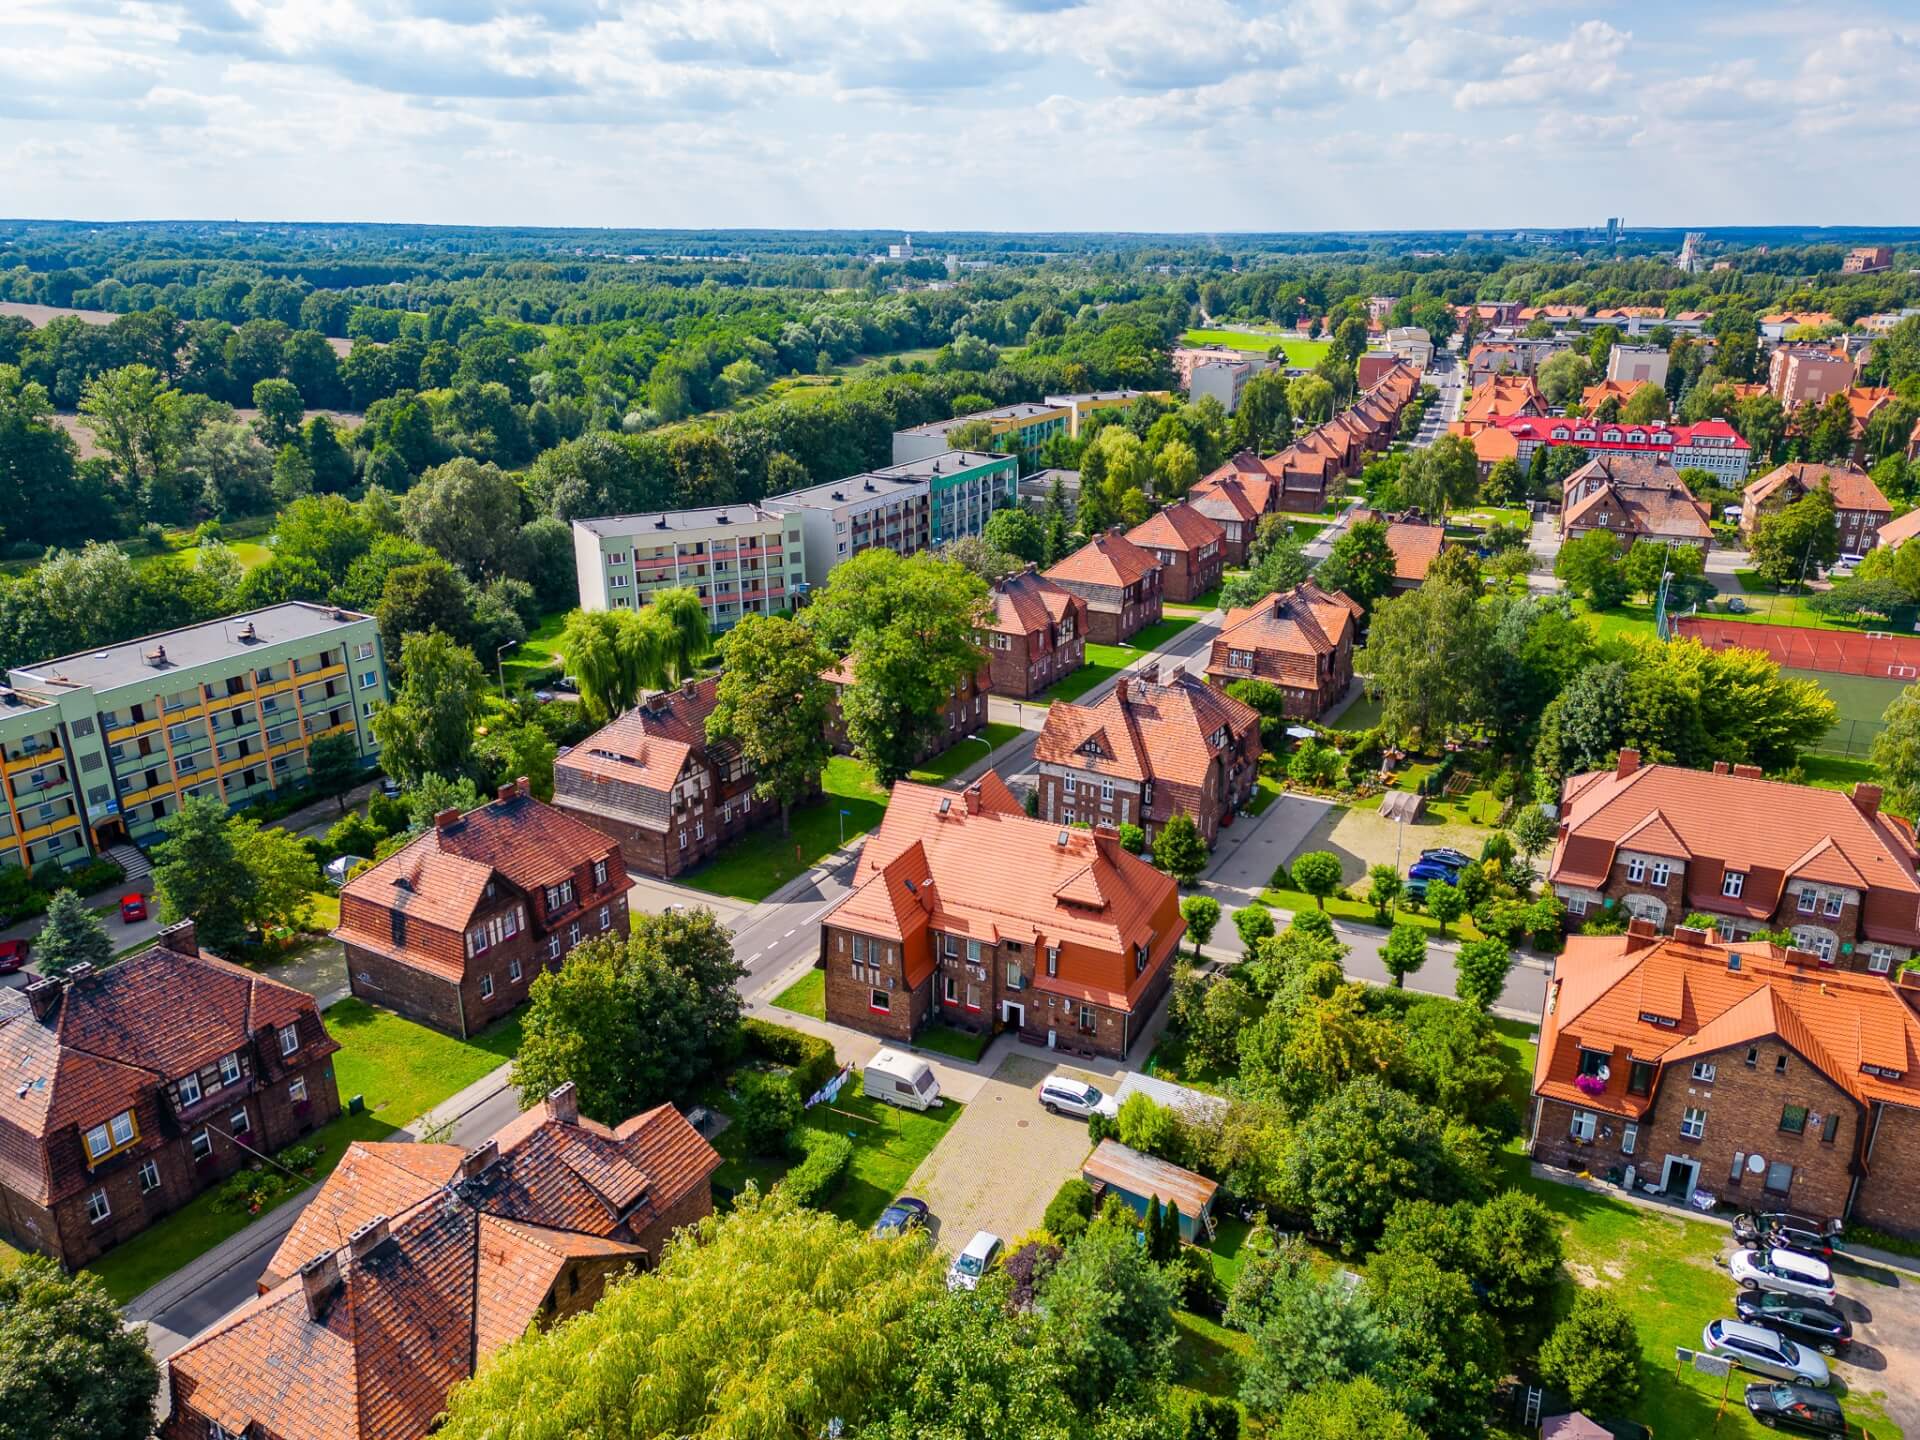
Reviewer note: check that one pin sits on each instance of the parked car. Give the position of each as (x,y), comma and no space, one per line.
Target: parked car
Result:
(1806,1321)
(902,1215)
(1788,1231)
(390,787)
(1753,1347)
(1454,858)
(971,1263)
(1795,1407)
(1064,1096)
(13,954)
(1785,1271)
(132,907)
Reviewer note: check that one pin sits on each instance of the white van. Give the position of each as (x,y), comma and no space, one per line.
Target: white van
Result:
(902,1080)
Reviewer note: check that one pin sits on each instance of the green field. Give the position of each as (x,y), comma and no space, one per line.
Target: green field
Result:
(806,996)
(1300,350)
(1106,661)
(532,662)
(1861,699)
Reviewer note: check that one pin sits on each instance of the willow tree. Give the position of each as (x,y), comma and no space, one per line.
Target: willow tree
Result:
(681,621)
(614,655)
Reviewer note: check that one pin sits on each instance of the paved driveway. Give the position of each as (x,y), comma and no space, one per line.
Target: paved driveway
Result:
(1884,1306)
(1004,1158)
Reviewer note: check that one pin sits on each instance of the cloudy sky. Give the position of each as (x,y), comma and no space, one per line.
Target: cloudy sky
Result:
(1205,115)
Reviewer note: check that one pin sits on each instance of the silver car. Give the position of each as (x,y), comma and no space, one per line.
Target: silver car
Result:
(1063,1096)
(1756,1348)
(1787,1271)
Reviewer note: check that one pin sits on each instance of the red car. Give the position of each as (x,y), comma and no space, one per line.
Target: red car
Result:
(132,908)
(13,954)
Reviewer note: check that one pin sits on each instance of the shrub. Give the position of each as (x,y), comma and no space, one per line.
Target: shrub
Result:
(300,1157)
(1150,1128)
(1133,839)
(1212,1418)
(1102,1127)
(808,1056)
(94,875)
(355,835)
(769,1108)
(1069,1210)
(1198,1288)
(817,1176)
(1282,878)
(1593,1355)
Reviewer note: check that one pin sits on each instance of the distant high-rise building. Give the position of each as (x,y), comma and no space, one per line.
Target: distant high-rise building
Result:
(1690,258)
(1614,227)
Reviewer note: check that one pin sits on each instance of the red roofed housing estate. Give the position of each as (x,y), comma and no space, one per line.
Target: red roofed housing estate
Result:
(1236,503)
(1149,751)
(965,908)
(1191,550)
(452,928)
(1119,581)
(1637,497)
(447,1256)
(651,780)
(1663,841)
(1299,640)
(1744,1070)
(132,1089)
(1038,633)
(1859,509)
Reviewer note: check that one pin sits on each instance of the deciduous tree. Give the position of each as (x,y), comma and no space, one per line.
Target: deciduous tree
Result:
(427,728)
(70,1369)
(1317,873)
(1179,850)
(772,703)
(1593,1355)
(1481,970)
(1202,913)
(1404,952)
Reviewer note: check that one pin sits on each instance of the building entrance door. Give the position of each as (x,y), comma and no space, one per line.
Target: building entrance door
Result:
(1678,1176)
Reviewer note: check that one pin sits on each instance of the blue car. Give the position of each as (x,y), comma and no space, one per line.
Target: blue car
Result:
(1424,870)
(903,1215)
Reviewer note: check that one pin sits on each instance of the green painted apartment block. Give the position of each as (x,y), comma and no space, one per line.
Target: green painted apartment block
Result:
(98,747)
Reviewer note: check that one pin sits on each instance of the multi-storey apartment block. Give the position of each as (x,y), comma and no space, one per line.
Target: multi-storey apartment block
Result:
(1807,375)
(1119,581)
(1080,406)
(133,1089)
(889,509)
(1018,430)
(1300,640)
(740,559)
(1711,445)
(1036,634)
(965,909)
(97,748)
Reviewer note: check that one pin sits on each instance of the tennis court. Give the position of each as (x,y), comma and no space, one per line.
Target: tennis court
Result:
(1880,654)
(1861,700)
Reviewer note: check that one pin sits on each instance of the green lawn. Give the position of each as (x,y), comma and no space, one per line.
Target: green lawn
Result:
(1106,661)
(1491,515)
(1269,790)
(967,753)
(1229,1237)
(806,996)
(761,861)
(402,1069)
(889,1144)
(951,1041)
(1362,912)
(1363,714)
(1300,350)
(532,662)
(1207,1357)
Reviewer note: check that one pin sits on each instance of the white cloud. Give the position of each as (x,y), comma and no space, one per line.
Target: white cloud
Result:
(1583,63)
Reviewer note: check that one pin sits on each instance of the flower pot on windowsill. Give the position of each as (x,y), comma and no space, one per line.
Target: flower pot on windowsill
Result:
(1589,1084)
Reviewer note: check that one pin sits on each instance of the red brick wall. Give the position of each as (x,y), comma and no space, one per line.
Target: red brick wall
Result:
(1889,1195)
(848,998)
(689,1209)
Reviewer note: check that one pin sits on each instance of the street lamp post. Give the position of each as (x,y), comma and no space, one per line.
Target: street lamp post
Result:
(843,828)
(500,669)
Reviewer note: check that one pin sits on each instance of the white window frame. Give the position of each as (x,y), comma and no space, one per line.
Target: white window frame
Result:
(1880,960)
(289,1039)
(486,987)
(149,1176)
(599,872)
(229,1069)
(99,1207)
(186,1083)
(1661,873)
(1583,1125)
(297,1090)
(239,1122)
(99,1142)
(1629,1139)
(1809,900)
(1704,1072)
(1693,1123)
(606,917)
(1636,870)
(553,947)
(202,1144)
(1732,883)
(514,971)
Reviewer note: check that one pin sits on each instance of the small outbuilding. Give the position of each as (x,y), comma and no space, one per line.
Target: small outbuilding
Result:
(1116,1169)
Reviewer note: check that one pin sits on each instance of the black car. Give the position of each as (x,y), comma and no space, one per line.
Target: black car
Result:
(1795,1407)
(1797,1318)
(1452,859)
(1783,1230)
(903,1215)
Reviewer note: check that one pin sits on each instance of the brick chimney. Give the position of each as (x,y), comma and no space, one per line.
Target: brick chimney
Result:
(182,938)
(1116,529)
(447,818)
(1641,935)
(368,1238)
(1629,762)
(479,1158)
(505,792)
(1721,767)
(1804,958)
(1149,672)
(523,786)
(1866,799)
(1746,772)
(41,995)
(1688,935)
(319,1278)
(563,1103)
(973,798)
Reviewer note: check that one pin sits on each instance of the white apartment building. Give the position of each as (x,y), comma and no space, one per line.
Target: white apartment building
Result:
(740,559)
(891,509)
(1627,363)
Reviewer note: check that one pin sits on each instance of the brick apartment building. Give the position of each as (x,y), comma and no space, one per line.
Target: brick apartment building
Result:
(1299,640)
(1037,633)
(1661,842)
(1119,581)
(963,714)
(451,929)
(1415,541)
(1637,497)
(1746,1070)
(447,1256)
(133,1089)
(1859,509)
(1191,550)
(1151,750)
(1236,503)
(1807,375)
(653,781)
(965,910)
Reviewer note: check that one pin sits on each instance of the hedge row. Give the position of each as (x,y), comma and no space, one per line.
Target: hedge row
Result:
(810,1057)
(815,1178)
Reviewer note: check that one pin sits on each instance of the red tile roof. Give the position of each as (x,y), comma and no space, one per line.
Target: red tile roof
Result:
(1895,533)
(1178,527)
(1106,559)
(650,744)
(467,1265)
(373,1178)
(1853,488)
(1027,603)
(1226,499)
(1648,493)
(1285,634)
(1673,999)
(1771,831)
(1146,729)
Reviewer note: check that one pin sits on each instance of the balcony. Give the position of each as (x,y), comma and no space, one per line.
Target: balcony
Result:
(50,827)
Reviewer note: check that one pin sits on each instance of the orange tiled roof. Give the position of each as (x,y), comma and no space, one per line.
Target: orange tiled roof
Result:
(1106,559)
(1594,396)
(974,864)
(1146,729)
(1647,490)
(464,1268)
(649,745)
(1285,633)
(1026,602)
(1226,499)
(1863,401)
(1853,488)
(1771,831)
(373,1178)
(1416,544)
(1895,533)
(1612,993)
(1178,527)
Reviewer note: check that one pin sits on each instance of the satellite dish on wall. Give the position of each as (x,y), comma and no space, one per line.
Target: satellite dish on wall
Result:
(1756,1164)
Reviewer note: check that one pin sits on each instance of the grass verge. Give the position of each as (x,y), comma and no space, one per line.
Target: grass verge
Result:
(951,1041)
(763,860)
(1359,912)
(806,996)
(1106,661)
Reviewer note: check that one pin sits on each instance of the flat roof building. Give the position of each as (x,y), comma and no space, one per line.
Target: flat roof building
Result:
(1017,430)
(739,559)
(905,508)
(98,747)
(1079,407)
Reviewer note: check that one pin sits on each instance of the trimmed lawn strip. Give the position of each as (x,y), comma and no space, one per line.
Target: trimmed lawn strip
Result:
(1208,1357)
(952,1041)
(806,996)
(888,1146)
(1300,350)
(1229,1236)
(950,762)
(402,1069)
(763,860)
(1270,789)
(1106,661)
(1358,910)
(532,662)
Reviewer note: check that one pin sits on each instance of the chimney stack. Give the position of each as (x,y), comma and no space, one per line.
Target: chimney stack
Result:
(1721,767)
(182,938)
(77,973)
(1150,672)
(1747,772)
(505,792)
(368,1238)
(564,1104)
(522,786)
(1640,935)
(1804,958)
(1866,799)
(41,995)
(973,798)
(447,818)
(479,1158)
(1687,935)
(319,1278)
(1629,762)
